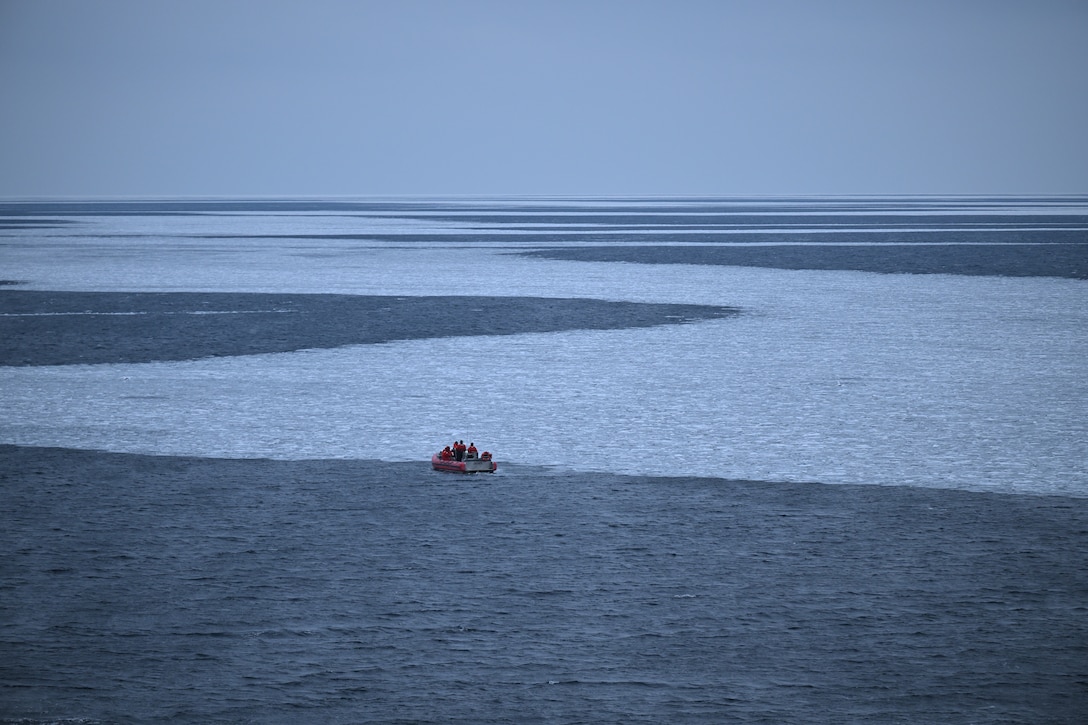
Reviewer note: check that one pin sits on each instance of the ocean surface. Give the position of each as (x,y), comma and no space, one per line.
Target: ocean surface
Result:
(837,376)
(761,460)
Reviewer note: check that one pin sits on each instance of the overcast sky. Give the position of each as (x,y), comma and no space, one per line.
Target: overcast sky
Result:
(542,97)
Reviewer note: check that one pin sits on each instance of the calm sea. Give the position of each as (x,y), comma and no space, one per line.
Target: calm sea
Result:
(964,381)
(863,498)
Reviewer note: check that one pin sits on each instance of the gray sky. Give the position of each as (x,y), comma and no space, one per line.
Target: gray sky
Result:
(672,97)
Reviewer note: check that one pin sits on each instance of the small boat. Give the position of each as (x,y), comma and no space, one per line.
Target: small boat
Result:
(469,465)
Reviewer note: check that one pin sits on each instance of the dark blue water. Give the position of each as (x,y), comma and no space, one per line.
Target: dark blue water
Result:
(196,590)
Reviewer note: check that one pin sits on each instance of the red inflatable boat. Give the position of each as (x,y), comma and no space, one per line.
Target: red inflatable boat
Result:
(469,465)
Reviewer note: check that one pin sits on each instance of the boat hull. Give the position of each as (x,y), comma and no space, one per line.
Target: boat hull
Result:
(472,465)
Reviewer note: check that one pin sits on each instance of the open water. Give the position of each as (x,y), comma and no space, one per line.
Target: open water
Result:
(266,543)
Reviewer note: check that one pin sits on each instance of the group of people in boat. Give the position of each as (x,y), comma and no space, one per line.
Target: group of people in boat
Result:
(460,452)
